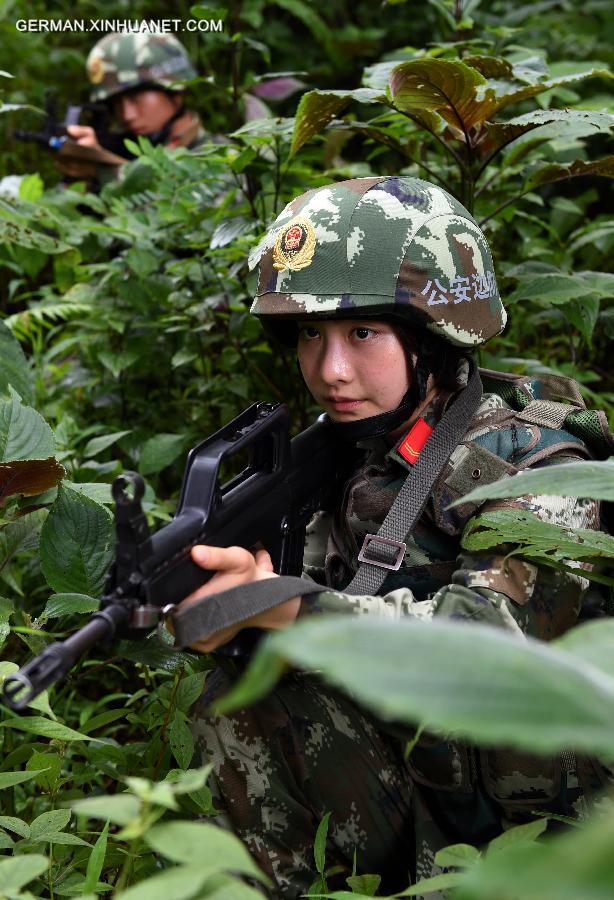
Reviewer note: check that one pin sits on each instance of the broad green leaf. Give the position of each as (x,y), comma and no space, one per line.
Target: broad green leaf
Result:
(95,490)
(24,434)
(178,883)
(15,367)
(225,887)
(515,837)
(63,837)
(7,608)
(6,842)
(76,544)
(592,642)
(151,652)
(117,363)
(552,287)
(13,231)
(184,782)
(181,741)
(55,820)
(429,885)
(96,860)
(366,885)
(49,767)
(19,870)
(102,719)
(319,846)
(21,534)
(536,537)
(44,728)
(189,690)
(18,826)
(583,313)
(160,451)
(317,108)
(459,855)
(98,444)
(511,93)
(69,604)
(31,187)
(584,478)
(121,809)
(8,779)
(465,678)
(546,174)
(576,863)
(215,849)
(545,124)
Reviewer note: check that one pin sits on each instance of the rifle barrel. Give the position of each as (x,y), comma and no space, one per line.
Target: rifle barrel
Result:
(56,659)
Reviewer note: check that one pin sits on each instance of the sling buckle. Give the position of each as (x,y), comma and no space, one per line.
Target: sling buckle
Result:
(364,556)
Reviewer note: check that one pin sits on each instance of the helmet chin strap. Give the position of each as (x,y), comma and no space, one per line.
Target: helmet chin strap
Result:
(376,426)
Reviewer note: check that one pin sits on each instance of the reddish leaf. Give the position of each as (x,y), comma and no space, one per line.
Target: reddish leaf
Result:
(29,476)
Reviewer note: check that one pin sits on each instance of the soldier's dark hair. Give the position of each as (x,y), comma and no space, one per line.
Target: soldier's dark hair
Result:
(434,357)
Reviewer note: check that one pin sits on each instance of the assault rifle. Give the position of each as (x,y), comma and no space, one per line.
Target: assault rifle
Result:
(270,502)
(54,134)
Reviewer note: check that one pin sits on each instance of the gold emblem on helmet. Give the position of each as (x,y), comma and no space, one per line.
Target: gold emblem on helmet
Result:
(294,246)
(95,69)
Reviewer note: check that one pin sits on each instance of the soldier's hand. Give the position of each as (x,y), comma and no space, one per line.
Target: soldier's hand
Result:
(84,135)
(234,566)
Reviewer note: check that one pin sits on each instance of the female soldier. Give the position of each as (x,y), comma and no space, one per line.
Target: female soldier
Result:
(386,285)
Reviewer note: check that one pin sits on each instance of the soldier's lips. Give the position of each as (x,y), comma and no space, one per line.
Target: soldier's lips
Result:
(342,404)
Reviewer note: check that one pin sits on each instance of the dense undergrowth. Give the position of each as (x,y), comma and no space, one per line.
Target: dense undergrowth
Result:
(126,339)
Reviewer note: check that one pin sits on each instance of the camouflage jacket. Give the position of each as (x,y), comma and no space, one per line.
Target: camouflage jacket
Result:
(439,578)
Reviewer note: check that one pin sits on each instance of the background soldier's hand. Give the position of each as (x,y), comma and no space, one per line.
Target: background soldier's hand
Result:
(80,168)
(84,135)
(234,566)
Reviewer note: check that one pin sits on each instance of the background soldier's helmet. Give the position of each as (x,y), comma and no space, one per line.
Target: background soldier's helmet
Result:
(380,247)
(122,62)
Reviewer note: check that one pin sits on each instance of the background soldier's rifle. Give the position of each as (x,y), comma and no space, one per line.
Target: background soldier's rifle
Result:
(54,134)
(269,503)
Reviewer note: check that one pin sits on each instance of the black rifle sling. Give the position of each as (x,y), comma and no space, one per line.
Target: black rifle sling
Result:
(411,499)
(203,617)
(220,610)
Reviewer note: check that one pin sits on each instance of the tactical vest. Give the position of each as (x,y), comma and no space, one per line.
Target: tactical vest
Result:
(548,416)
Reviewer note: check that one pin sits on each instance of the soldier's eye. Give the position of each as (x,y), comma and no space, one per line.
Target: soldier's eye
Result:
(362,333)
(308,332)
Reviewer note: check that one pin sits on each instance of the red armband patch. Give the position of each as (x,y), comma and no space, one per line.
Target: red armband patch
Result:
(415,439)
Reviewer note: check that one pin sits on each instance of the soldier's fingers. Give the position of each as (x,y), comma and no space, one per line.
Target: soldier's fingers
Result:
(264,560)
(223,559)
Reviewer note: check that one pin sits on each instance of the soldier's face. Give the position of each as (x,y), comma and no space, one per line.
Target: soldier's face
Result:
(354,368)
(144,112)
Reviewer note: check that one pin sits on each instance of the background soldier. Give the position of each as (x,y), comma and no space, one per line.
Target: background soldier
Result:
(139,79)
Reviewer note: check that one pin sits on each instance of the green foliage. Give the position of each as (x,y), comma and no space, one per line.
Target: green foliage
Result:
(126,339)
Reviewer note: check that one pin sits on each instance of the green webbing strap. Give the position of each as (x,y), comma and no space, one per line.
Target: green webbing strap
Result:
(203,617)
(386,549)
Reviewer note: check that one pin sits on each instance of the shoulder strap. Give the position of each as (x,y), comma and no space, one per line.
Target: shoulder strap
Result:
(386,549)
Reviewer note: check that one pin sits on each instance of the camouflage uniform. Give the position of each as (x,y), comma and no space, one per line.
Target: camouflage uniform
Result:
(306,749)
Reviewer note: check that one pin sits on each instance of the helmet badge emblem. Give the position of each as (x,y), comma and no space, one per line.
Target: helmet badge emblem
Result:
(95,69)
(295,245)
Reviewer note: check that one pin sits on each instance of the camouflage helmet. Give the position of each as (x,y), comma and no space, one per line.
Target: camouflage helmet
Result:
(393,246)
(122,62)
